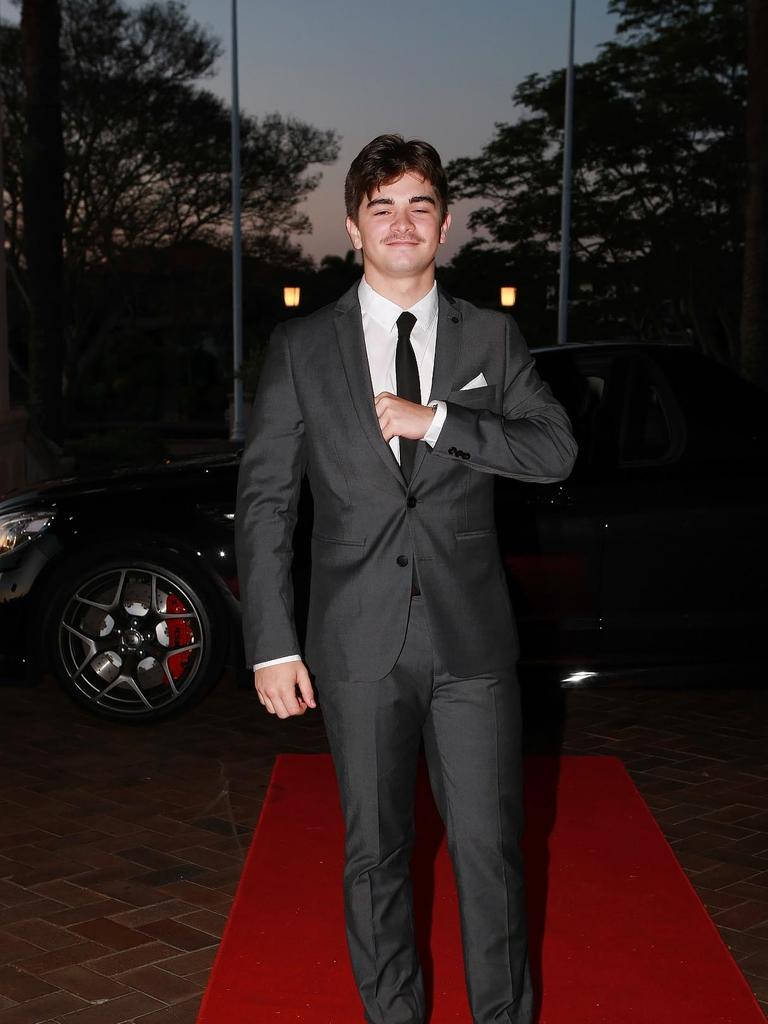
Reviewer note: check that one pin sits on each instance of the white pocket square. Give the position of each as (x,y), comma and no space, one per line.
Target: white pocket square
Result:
(477,382)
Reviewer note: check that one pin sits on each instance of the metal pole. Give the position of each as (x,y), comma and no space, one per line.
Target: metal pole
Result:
(5,398)
(565,221)
(237,431)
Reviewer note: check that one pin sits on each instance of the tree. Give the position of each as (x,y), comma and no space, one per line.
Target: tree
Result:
(658,179)
(148,157)
(43,204)
(754,310)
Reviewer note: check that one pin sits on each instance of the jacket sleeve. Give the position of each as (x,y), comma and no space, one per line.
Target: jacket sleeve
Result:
(268,487)
(531,440)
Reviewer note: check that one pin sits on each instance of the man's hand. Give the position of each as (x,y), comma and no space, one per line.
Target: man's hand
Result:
(276,687)
(400,418)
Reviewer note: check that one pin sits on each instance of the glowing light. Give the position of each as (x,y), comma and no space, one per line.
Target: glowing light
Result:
(578,677)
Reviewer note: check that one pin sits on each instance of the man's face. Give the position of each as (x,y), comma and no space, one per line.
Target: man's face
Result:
(399,228)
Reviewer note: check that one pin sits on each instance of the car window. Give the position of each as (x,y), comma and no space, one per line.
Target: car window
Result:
(727,417)
(578,384)
(646,430)
(653,430)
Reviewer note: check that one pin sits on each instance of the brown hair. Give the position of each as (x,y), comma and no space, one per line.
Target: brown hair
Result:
(386,159)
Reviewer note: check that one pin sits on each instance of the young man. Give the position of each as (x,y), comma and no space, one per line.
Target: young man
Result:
(400,403)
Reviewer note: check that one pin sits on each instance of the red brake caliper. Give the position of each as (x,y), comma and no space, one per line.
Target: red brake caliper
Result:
(179,635)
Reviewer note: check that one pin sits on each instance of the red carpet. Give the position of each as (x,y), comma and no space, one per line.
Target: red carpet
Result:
(618,934)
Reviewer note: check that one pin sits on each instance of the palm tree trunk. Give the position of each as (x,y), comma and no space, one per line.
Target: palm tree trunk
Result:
(754,309)
(43,198)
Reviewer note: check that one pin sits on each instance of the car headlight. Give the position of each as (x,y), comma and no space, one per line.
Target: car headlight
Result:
(17,528)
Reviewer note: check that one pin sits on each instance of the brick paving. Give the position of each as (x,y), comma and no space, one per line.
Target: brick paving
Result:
(121,846)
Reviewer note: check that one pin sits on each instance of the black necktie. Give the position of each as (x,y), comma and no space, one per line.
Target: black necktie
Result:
(408,387)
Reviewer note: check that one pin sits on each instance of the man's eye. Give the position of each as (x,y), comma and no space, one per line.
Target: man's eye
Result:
(381,213)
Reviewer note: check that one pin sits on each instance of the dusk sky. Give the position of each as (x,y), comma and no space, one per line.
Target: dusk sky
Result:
(443,70)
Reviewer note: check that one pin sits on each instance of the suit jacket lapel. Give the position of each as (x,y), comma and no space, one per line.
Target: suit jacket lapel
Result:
(349,335)
(447,348)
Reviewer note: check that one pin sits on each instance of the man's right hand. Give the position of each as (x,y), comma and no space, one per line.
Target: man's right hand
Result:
(277,685)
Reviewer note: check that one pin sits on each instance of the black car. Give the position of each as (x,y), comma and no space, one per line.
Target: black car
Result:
(653,553)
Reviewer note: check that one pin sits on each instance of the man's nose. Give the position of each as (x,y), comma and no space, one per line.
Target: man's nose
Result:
(402,222)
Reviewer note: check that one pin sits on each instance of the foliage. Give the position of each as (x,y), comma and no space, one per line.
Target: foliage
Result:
(147,150)
(148,160)
(334,276)
(754,307)
(658,179)
(43,201)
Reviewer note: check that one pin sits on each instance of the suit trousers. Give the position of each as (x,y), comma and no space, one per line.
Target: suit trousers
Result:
(471,729)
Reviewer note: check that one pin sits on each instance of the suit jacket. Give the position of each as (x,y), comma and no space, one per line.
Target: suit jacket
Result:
(314,412)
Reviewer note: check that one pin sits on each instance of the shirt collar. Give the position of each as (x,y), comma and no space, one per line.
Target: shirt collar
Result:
(385,312)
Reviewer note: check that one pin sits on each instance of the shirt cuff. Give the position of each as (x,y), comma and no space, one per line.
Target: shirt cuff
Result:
(441,411)
(277,661)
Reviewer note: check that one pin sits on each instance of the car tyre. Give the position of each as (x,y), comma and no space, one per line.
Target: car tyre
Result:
(133,634)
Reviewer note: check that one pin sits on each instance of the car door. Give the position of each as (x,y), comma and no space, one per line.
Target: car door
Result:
(683,552)
(550,534)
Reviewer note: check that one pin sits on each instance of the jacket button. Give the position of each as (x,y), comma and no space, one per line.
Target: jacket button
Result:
(402,559)
(411,502)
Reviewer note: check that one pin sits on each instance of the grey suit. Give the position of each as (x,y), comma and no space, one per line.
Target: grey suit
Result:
(390,668)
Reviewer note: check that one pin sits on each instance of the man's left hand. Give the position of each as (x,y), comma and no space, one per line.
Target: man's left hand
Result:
(401,418)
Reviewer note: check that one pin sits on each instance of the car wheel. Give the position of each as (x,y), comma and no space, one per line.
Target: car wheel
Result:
(135,638)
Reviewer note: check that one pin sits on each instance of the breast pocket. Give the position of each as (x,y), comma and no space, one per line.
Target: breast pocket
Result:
(479,398)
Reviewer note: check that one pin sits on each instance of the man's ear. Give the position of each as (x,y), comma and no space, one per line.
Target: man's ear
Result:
(354,233)
(444,227)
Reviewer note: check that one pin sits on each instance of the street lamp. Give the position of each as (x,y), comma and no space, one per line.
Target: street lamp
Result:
(291,296)
(508,295)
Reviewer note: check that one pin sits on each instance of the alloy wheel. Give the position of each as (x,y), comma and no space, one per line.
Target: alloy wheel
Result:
(131,640)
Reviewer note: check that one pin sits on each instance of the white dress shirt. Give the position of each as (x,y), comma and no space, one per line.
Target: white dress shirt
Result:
(380,332)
